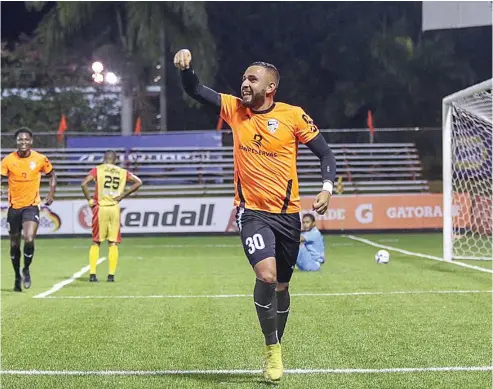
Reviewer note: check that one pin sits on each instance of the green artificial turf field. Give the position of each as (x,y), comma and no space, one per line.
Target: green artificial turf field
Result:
(181,315)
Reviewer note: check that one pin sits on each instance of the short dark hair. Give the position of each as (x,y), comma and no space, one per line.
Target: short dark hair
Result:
(309,216)
(107,153)
(271,68)
(23,130)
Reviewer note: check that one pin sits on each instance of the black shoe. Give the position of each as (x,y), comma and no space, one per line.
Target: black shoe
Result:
(26,278)
(92,278)
(17,285)
(111,278)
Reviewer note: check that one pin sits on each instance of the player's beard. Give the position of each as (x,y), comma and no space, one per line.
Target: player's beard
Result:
(256,99)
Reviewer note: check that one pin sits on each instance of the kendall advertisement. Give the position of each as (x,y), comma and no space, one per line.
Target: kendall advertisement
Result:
(163,215)
(138,216)
(217,214)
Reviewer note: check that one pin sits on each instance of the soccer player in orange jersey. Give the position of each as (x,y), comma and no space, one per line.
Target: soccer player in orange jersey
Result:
(110,190)
(266,136)
(23,169)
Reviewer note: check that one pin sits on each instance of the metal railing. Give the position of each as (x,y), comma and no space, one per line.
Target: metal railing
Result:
(364,168)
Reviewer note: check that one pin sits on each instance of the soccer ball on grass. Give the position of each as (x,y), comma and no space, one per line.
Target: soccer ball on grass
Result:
(382,257)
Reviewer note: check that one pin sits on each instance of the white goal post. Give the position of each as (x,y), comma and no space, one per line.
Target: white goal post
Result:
(467,173)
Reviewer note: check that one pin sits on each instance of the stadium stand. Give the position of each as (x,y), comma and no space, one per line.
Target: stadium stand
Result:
(364,168)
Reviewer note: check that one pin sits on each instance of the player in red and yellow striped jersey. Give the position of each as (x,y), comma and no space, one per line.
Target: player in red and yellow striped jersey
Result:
(111,181)
(266,138)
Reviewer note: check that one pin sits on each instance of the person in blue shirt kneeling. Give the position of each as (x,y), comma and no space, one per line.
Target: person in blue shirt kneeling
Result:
(312,248)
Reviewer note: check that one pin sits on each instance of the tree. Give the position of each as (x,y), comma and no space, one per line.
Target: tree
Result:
(339,59)
(35,94)
(126,37)
(401,75)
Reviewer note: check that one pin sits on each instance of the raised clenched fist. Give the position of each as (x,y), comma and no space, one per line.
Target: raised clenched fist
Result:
(183,58)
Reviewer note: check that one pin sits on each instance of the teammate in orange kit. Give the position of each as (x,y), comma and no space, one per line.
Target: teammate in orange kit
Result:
(266,136)
(23,169)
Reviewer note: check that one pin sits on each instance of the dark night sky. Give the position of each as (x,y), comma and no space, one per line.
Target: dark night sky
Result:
(16,19)
(224,17)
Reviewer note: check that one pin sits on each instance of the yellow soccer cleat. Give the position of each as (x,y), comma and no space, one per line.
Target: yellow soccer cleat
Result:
(273,368)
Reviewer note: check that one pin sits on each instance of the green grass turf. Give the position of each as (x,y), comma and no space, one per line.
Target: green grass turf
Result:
(431,245)
(323,332)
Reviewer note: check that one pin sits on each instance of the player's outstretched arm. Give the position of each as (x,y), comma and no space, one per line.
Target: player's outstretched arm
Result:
(137,183)
(51,194)
(85,190)
(190,81)
(321,149)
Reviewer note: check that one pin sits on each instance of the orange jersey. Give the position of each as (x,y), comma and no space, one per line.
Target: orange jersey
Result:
(24,177)
(265,152)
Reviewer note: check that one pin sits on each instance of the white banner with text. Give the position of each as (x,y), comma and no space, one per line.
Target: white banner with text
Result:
(139,216)
(217,214)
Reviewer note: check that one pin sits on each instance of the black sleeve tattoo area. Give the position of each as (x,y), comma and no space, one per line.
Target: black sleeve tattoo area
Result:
(197,91)
(321,149)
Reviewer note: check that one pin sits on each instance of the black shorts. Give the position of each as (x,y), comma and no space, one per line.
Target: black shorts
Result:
(16,217)
(265,235)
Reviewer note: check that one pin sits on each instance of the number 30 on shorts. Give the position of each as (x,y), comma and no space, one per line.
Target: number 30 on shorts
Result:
(255,242)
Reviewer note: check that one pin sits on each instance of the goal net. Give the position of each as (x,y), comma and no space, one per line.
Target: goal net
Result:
(467,173)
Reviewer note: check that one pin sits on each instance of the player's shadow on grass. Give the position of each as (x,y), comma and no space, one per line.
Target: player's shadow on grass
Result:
(228,381)
(80,279)
(8,290)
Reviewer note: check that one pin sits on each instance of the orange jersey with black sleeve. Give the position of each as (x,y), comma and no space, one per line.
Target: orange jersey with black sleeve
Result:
(110,183)
(265,153)
(24,177)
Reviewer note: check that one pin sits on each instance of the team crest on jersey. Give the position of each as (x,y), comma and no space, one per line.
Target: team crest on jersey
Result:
(32,165)
(272,125)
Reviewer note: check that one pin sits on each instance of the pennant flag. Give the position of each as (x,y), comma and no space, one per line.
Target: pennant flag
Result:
(138,126)
(62,127)
(369,122)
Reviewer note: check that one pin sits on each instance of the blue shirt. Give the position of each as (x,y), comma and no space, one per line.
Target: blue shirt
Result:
(314,243)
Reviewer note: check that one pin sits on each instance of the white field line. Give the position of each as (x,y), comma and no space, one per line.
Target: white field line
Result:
(171,246)
(196,246)
(60,285)
(413,254)
(390,240)
(238,371)
(225,296)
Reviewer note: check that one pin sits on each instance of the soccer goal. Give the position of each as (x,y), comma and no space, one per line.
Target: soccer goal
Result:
(468,174)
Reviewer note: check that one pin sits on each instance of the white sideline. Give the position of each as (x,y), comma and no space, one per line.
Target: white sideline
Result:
(220,296)
(237,371)
(214,246)
(413,254)
(171,246)
(60,285)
